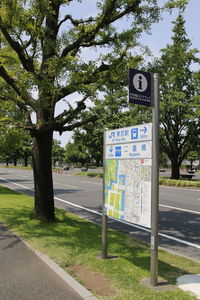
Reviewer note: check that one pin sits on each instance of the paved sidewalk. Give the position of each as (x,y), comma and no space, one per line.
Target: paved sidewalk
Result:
(25,276)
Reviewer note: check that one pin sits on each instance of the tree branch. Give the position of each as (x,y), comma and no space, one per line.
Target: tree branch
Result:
(76,22)
(67,116)
(26,62)
(71,88)
(106,18)
(77,124)
(11,82)
(92,78)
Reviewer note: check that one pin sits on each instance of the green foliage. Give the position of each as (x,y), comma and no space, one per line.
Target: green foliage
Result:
(180,127)
(42,63)
(77,153)
(181,183)
(89,174)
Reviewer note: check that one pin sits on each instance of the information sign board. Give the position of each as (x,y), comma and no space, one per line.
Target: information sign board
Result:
(140,87)
(127,174)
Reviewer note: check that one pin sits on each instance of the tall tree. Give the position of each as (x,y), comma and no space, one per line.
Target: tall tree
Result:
(57,152)
(45,46)
(180,126)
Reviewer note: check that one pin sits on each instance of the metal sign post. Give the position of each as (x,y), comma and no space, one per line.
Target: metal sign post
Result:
(155,182)
(104,242)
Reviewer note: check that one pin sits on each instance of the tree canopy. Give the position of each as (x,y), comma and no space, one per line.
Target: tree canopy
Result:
(180,108)
(42,63)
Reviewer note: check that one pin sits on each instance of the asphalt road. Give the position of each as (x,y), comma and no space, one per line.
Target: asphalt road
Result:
(179,209)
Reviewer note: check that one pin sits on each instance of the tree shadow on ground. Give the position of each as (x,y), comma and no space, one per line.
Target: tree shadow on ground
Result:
(5,234)
(65,191)
(180,224)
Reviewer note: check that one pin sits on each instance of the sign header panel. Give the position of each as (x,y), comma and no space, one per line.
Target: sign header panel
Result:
(140,87)
(129,151)
(142,132)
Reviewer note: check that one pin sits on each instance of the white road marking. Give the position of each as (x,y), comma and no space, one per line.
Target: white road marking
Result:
(182,209)
(17,184)
(121,221)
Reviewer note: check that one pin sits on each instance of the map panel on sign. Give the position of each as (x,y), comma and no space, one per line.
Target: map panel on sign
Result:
(128,190)
(130,134)
(129,151)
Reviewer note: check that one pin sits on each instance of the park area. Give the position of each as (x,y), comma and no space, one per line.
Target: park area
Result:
(75,244)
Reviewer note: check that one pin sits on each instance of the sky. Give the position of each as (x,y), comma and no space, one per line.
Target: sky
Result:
(160,36)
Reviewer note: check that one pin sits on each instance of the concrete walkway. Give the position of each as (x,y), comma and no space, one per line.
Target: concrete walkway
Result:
(190,283)
(27,276)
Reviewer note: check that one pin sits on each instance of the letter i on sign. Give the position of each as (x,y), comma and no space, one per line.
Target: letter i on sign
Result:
(140,83)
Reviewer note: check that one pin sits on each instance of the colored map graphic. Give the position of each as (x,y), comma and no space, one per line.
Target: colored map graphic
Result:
(128,190)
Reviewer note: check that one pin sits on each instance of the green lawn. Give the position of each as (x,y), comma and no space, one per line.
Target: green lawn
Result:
(75,241)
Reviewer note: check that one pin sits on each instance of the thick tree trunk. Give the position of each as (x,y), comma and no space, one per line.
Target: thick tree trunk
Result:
(175,174)
(43,182)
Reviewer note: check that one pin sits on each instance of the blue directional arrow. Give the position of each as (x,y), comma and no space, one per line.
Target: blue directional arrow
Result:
(144,130)
(111,149)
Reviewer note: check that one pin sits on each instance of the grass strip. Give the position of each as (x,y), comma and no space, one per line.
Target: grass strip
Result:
(162,180)
(17,167)
(181,183)
(75,241)
(89,174)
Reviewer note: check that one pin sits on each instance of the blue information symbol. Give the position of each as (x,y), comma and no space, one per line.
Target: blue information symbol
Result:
(118,151)
(134,134)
